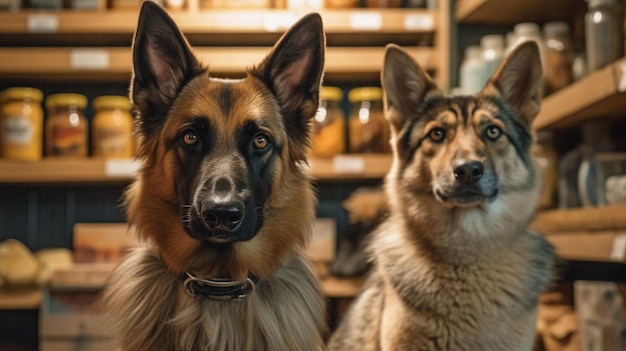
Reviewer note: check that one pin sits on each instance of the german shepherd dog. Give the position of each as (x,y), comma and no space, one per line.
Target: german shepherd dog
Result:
(221,201)
(455,267)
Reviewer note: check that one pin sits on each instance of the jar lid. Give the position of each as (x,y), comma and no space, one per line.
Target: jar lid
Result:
(365,93)
(331,93)
(527,29)
(492,41)
(112,102)
(65,99)
(21,93)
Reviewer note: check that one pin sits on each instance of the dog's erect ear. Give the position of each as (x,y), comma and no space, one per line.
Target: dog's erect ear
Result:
(162,64)
(405,85)
(293,72)
(518,81)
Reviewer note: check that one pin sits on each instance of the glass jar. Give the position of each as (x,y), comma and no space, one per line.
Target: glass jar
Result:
(472,77)
(66,126)
(492,47)
(112,128)
(604,36)
(526,31)
(21,124)
(329,124)
(559,58)
(368,128)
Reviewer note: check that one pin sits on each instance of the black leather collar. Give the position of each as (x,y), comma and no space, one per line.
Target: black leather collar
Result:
(219,288)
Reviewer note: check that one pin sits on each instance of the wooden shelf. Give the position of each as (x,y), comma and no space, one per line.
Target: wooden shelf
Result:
(511,12)
(93,170)
(115,63)
(589,233)
(581,219)
(216,21)
(599,95)
(20,299)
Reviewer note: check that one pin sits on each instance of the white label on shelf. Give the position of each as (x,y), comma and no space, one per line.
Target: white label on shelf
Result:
(366,21)
(274,23)
(42,23)
(121,168)
(619,248)
(418,22)
(92,59)
(348,164)
(621,87)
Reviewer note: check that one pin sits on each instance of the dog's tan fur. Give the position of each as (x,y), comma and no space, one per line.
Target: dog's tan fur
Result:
(194,129)
(455,270)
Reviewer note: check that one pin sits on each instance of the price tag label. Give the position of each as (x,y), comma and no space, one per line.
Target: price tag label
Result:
(366,21)
(121,168)
(618,252)
(621,87)
(42,23)
(419,22)
(348,164)
(89,59)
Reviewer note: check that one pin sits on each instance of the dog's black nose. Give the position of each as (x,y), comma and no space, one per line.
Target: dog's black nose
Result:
(468,171)
(226,216)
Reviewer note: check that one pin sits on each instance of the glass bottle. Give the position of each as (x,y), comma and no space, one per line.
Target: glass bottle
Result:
(329,124)
(21,124)
(112,128)
(559,59)
(472,77)
(369,131)
(66,128)
(604,35)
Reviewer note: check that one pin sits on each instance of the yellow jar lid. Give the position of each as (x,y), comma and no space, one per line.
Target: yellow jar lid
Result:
(365,93)
(112,102)
(331,93)
(19,93)
(66,99)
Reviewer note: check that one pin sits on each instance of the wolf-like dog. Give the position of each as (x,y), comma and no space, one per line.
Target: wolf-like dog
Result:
(221,203)
(455,265)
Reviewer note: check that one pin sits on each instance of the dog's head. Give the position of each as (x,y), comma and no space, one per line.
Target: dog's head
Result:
(220,190)
(464,151)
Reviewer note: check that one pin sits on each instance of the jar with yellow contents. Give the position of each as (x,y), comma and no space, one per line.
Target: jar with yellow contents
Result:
(21,124)
(329,124)
(67,128)
(369,131)
(112,128)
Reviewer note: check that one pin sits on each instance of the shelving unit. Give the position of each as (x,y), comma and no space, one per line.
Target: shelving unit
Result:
(509,12)
(90,45)
(93,170)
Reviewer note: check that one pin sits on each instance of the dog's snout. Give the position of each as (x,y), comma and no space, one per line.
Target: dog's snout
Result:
(225,216)
(468,172)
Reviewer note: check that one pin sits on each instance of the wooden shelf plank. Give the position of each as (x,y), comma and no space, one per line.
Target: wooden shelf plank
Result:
(599,95)
(223,21)
(20,299)
(581,219)
(115,63)
(93,170)
(512,12)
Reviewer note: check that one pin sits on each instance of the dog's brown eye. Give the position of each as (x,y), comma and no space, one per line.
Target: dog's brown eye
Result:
(493,132)
(437,134)
(261,141)
(190,138)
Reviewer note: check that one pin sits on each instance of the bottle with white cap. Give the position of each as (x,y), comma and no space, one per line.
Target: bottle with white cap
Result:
(472,77)
(492,46)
